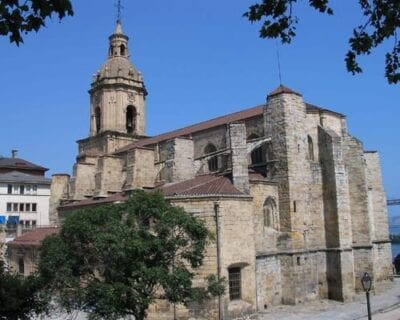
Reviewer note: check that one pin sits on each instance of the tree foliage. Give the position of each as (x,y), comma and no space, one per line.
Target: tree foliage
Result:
(20,17)
(20,297)
(115,260)
(382,21)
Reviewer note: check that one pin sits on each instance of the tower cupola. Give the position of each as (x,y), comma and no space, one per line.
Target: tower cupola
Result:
(118,92)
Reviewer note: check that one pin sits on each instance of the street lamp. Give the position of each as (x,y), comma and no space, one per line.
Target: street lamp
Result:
(366,282)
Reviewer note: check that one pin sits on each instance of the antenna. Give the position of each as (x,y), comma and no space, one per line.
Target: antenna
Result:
(279,63)
(119,7)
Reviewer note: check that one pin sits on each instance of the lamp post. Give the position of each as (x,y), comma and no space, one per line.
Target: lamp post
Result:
(366,282)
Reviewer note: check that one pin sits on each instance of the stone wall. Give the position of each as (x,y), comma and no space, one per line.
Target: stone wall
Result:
(59,190)
(108,178)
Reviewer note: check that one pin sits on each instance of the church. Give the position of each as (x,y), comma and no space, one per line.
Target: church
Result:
(297,206)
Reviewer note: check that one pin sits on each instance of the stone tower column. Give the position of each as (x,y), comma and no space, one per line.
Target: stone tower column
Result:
(284,122)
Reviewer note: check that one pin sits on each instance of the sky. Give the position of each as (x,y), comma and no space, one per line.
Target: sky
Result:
(200,60)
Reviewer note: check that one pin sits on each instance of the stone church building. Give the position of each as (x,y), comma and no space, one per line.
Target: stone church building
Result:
(296,204)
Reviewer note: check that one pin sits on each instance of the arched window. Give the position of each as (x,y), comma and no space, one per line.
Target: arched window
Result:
(270,212)
(122,49)
(212,161)
(130,119)
(97,114)
(21,265)
(310,149)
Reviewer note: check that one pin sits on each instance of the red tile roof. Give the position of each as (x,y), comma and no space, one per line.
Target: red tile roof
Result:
(282,89)
(201,185)
(233,117)
(93,202)
(34,237)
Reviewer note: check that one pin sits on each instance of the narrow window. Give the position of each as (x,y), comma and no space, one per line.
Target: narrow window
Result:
(9,206)
(257,155)
(270,211)
(27,207)
(21,189)
(235,284)
(28,189)
(34,207)
(130,119)
(9,189)
(15,207)
(294,206)
(21,265)
(97,114)
(21,207)
(213,164)
(269,151)
(122,50)
(212,161)
(310,149)
(298,261)
(33,223)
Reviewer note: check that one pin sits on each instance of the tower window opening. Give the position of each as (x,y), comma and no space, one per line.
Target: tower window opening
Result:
(97,114)
(130,119)
(122,49)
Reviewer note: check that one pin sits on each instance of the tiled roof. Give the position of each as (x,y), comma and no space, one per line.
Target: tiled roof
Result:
(15,176)
(201,185)
(282,89)
(93,202)
(34,237)
(19,164)
(233,117)
(237,116)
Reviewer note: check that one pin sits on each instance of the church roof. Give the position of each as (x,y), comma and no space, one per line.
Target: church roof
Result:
(201,185)
(34,237)
(237,116)
(18,163)
(16,176)
(219,121)
(282,89)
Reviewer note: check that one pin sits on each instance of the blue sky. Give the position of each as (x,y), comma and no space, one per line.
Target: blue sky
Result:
(200,59)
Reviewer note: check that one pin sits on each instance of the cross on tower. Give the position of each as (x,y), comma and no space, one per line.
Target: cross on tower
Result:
(119,7)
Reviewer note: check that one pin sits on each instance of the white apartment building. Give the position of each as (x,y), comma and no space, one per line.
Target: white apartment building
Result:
(24,193)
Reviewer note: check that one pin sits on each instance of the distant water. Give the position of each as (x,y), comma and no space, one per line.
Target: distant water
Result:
(395,249)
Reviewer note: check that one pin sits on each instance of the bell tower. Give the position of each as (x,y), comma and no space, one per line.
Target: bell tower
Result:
(117,93)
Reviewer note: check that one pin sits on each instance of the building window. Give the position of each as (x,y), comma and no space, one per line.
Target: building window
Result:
(9,206)
(22,189)
(310,149)
(27,207)
(9,189)
(270,212)
(33,223)
(21,207)
(15,207)
(258,155)
(97,115)
(34,207)
(130,119)
(235,283)
(212,161)
(122,50)
(21,265)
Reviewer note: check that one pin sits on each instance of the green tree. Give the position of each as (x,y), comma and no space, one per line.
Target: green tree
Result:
(20,297)
(21,17)
(115,260)
(382,21)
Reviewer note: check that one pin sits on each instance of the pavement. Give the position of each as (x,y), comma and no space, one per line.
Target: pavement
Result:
(385,305)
